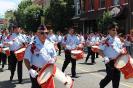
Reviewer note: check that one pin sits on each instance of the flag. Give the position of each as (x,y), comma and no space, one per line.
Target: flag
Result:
(96,4)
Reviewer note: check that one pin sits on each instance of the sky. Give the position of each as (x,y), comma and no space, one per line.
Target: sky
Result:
(8,5)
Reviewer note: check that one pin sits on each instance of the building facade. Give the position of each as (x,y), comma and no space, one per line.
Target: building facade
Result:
(88,11)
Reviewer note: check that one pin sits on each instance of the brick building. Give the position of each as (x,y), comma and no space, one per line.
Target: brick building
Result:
(88,11)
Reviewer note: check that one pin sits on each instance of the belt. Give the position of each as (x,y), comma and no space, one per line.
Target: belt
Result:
(35,68)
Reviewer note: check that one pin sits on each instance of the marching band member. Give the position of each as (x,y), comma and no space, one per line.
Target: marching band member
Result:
(110,50)
(59,39)
(81,40)
(70,42)
(3,55)
(53,39)
(91,40)
(38,54)
(129,42)
(15,41)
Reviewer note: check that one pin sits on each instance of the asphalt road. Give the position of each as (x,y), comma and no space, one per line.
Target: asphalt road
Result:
(89,76)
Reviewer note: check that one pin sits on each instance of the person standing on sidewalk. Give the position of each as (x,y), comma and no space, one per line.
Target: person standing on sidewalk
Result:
(110,49)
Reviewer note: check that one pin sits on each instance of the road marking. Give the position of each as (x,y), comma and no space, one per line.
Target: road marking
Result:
(95,74)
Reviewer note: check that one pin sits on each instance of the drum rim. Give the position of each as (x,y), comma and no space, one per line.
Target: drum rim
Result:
(44,68)
(116,62)
(16,52)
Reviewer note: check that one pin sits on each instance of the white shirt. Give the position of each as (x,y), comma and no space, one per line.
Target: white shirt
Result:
(112,48)
(52,38)
(59,38)
(15,41)
(71,42)
(43,53)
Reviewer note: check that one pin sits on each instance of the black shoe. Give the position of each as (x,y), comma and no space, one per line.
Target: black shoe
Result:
(93,63)
(11,77)
(1,70)
(20,82)
(75,76)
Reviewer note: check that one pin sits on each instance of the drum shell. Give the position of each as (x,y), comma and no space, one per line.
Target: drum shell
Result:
(58,76)
(77,56)
(20,55)
(95,49)
(127,70)
(0,49)
(7,52)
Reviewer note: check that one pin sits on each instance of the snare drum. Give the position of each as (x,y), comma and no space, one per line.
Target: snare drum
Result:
(6,50)
(0,49)
(49,76)
(125,64)
(80,47)
(94,48)
(77,54)
(20,54)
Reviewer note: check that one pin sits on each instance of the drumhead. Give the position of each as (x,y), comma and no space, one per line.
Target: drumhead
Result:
(95,47)
(122,61)
(76,51)
(20,50)
(7,48)
(45,75)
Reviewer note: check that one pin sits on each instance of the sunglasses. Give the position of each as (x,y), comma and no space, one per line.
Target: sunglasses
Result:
(114,30)
(43,33)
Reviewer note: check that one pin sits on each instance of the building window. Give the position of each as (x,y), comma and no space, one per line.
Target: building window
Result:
(116,2)
(77,8)
(82,5)
(102,3)
(91,4)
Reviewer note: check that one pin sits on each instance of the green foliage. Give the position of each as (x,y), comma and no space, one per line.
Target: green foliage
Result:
(28,15)
(9,14)
(59,14)
(32,17)
(104,21)
(19,14)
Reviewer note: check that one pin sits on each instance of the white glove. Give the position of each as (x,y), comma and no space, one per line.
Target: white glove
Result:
(33,73)
(52,60)
(123,51)
(106,60)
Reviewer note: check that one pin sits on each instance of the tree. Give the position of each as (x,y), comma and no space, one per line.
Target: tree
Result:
(59,14)
(19,14)
(104,21)
(32,17)
(28,15)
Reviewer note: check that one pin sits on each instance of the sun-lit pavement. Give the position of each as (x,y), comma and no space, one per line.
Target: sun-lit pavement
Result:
(89,76)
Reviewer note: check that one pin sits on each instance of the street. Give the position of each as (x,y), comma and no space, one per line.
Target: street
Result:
(89,75)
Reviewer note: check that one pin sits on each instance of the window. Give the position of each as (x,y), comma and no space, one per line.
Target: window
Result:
(116,2)
(102,3)
(91,4)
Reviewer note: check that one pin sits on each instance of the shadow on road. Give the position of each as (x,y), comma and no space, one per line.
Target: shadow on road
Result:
(9,84)
(86,63)
(88,72)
